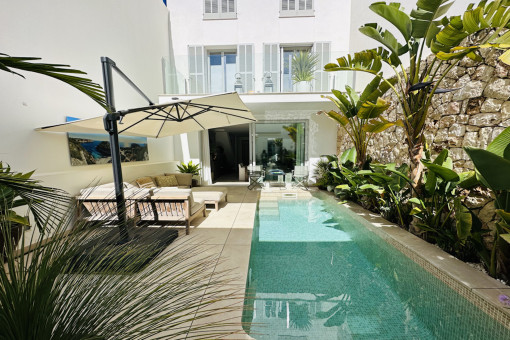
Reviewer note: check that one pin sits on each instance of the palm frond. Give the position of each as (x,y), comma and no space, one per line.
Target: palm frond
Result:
(58,71)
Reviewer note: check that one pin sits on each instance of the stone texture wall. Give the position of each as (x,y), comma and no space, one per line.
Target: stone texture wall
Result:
(471,116)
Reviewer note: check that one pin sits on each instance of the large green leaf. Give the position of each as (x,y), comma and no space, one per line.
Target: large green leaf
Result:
(500,144)
(385,37)
(463,220)
(348,155)
(367,61)
(373,110)
(425,18)
(395,16)
(338,117)
(440,171)
(493,168)
(381,124)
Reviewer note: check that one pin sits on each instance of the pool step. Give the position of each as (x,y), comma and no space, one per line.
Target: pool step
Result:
(269,211)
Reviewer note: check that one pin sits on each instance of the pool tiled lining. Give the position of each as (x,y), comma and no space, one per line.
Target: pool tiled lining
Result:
(477,287)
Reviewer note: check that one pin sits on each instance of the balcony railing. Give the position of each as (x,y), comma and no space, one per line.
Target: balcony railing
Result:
(179,80)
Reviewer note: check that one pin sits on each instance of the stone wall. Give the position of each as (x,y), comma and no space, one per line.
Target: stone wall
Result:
(471,116)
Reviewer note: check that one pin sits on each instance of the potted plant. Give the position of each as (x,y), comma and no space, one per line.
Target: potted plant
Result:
(303,67)
(191,168)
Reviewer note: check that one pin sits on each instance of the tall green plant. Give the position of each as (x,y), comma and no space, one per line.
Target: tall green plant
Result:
(492,170)
(425,27)
(360,115)
(56,293)
(189,168)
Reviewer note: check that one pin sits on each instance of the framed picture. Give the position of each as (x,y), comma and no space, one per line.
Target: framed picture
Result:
(92,148)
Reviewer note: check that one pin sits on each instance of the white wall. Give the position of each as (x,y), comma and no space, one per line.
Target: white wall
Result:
(132,33)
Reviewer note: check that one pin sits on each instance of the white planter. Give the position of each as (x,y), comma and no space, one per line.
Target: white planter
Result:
(303,86)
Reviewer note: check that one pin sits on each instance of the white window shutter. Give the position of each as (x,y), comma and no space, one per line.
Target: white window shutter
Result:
(323,50)
(196,60)
(246,66)
(272,64)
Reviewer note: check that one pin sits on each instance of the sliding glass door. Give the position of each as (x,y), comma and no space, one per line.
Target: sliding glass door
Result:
(278,147)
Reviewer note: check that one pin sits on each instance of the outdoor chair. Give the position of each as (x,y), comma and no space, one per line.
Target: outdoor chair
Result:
(300,175)
(256,176)
(170,206)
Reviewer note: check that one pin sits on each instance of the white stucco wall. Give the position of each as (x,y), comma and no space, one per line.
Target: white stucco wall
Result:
(132,33)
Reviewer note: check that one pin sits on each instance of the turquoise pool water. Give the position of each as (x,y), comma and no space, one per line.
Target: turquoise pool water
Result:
(317,273)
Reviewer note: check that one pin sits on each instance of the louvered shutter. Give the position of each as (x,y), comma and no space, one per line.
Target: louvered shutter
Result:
(323,50)
(196,60)
(246,65)
(272,65)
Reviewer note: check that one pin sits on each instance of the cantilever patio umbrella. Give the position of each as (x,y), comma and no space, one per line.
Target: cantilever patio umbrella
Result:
(177,117)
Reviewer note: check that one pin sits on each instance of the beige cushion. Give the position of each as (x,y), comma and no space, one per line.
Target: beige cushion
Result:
(182,179)
(145,182)
(166,181)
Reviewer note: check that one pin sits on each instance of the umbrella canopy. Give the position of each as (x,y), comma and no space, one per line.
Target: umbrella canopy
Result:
(169,119)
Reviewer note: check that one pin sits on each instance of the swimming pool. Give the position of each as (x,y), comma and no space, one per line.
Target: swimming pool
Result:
(317,273)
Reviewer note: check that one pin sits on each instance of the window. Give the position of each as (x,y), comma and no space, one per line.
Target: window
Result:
(296,8)
(287,55)
(220,9)
(222,71)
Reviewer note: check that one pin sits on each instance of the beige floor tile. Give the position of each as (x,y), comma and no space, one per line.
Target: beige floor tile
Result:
(236,259)
(209,235)
(239,236)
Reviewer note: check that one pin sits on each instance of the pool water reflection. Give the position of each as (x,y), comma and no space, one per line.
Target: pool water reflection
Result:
(317,273)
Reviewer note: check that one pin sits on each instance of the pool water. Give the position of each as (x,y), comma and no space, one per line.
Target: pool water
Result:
(317,273)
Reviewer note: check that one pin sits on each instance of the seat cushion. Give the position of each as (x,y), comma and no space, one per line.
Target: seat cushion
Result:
(211,193)
(184,179)
(166,181)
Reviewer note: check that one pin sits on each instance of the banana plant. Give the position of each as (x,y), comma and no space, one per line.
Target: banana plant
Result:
(492,169)
(425,27)
(360,115)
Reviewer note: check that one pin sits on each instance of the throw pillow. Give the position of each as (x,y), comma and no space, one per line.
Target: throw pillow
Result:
(166,181)
(145,182)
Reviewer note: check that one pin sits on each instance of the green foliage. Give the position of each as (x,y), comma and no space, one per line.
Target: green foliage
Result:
(303,66)
(56,293)
(358,114)
(492,169)
(18,190)
(57,71)
(189,168)
(322,173)
(425,26)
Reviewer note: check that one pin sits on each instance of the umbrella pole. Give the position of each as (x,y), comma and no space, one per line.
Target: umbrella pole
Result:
(110,125)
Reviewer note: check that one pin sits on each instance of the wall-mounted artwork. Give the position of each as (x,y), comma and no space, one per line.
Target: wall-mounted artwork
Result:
(92,148)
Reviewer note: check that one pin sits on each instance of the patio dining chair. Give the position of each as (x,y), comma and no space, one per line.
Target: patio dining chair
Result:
(256,176)
(300,175)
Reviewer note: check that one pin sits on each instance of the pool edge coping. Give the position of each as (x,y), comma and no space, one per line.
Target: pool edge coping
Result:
(474,285)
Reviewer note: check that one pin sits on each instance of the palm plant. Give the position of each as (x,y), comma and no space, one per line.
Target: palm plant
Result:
(189,168)
(17,190)
(360,115)
(303,66)
(426,27)
(55,293)
(57,71)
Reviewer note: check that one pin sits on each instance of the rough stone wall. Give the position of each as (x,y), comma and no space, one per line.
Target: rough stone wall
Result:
(471,116)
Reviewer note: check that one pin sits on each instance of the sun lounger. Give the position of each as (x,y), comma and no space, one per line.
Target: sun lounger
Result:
(167,206)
